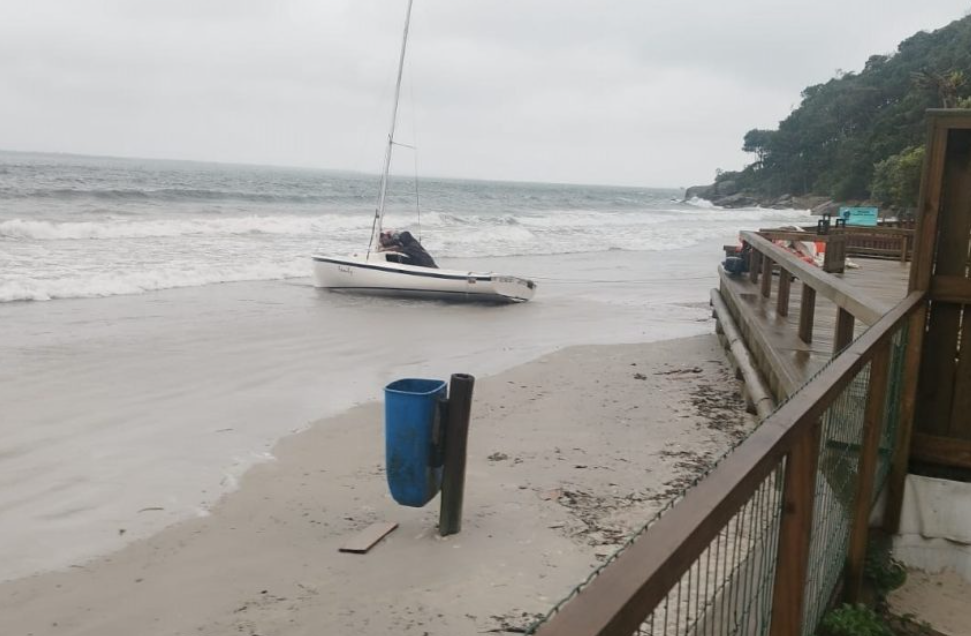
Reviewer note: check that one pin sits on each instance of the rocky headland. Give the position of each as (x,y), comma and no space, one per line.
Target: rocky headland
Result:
(727,194)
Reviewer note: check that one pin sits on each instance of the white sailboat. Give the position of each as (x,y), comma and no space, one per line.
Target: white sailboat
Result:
(377,272)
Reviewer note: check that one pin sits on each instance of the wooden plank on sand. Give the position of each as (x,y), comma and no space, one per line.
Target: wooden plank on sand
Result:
(364,540)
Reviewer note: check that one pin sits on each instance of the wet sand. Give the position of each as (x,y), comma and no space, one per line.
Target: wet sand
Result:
(568,454)
(141,411)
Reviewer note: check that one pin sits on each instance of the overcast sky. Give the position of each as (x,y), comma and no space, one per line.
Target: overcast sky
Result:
(636,92)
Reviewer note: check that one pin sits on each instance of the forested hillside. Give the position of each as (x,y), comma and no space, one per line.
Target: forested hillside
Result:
(861,135)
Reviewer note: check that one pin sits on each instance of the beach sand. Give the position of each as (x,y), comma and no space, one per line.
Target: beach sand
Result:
(568,455)
(939,599)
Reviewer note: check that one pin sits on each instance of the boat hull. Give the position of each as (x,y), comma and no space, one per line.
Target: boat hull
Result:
(375,276)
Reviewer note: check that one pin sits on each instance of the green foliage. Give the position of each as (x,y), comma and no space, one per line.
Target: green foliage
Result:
(896,179)
(947,85)
(854,620)
(843,129)
(883,572)
(758,141)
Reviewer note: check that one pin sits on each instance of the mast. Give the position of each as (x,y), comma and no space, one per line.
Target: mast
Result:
(379,212)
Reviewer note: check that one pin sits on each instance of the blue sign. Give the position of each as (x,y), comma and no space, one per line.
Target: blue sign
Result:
(859,216)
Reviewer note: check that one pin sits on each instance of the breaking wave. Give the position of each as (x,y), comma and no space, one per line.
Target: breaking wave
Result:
(126,228)
(80,285)
(164,195)
(44,260)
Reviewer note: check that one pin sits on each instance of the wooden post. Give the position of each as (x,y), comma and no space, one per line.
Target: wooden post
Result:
(782,299)
(929,205)
(456,448)
(834,259)
(766,276)
(908,401)
(807,313)
(903,248)
(866,474)
(755,265)
(830,255)
(795,533)
(844,330)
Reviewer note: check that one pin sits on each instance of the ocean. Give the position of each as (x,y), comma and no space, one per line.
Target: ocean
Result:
(160,331)
(74,227)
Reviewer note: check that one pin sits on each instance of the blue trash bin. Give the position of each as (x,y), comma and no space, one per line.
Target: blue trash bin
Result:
(412,432)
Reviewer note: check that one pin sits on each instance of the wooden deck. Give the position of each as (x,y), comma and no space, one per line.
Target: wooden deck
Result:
(783,358)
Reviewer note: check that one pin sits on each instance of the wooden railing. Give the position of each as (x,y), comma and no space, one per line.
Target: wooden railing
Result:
(906,224)
(851,303)
(790,502)
(873,242)
(880,242)
(834,257)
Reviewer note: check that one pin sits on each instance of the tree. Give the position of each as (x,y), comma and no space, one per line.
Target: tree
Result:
(836,141)
(758,141)
(896,179)
(947,85)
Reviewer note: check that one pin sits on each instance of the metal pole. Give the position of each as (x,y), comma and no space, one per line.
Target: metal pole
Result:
(456,447)
(379,212)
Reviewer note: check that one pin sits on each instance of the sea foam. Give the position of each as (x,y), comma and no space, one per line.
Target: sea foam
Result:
(123,228)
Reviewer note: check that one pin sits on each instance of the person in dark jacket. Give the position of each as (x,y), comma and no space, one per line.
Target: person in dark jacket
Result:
(407,245)
(414,250)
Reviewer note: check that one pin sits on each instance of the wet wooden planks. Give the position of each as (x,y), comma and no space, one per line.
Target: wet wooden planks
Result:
(786,360)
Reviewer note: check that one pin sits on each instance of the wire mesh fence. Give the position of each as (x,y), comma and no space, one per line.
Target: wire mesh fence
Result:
(892,408)
(836,480)
(727,589)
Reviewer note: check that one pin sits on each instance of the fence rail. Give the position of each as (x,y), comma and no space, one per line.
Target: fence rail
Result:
(852,304)
(880,242)
(873,242)
(759,545)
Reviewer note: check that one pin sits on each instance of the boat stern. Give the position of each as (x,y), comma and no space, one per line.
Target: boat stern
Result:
(517,290)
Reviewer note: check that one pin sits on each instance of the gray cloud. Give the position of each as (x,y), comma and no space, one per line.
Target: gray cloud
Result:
(640,92)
